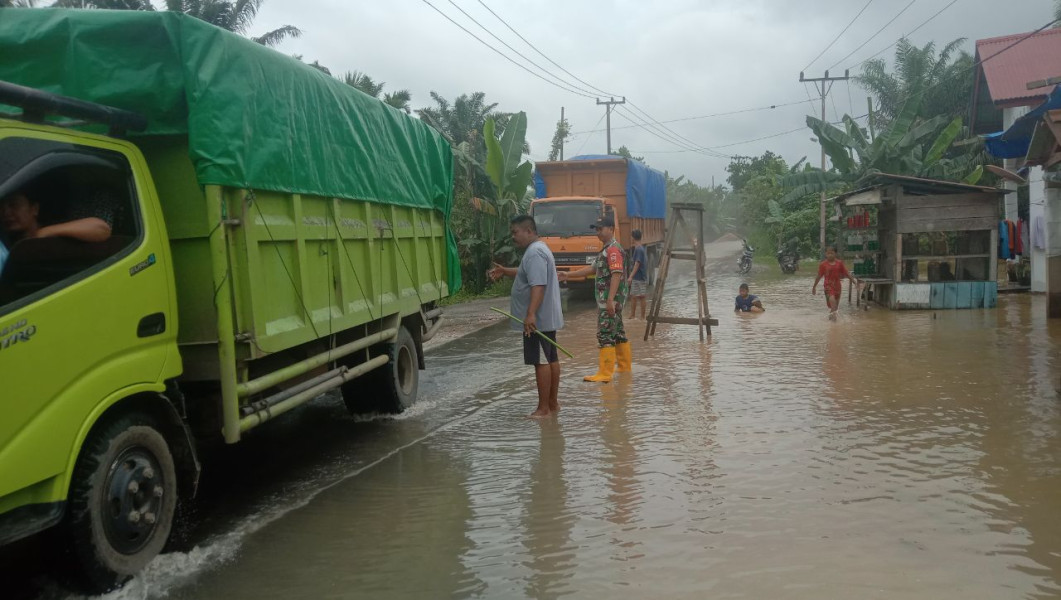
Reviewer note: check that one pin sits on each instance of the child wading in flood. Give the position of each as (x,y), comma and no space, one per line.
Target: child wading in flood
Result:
(832,270)
(747,302)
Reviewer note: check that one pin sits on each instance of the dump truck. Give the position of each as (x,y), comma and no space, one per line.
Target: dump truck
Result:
(572,194)
(271,234)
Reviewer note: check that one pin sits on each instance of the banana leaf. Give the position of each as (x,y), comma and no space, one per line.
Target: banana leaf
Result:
(835,142)
(942,143)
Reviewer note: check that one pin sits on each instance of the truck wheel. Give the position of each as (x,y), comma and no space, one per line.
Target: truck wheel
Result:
(391,388)
(122,498)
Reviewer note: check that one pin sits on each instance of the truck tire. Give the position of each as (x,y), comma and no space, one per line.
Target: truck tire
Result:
(391,388)
(122,499)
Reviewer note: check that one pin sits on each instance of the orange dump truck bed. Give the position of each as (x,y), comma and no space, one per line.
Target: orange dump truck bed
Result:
(573,194)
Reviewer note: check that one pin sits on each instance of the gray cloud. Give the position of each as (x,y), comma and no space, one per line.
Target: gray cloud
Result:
(674,59)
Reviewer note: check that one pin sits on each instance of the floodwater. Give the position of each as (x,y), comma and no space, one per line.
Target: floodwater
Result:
(886,455)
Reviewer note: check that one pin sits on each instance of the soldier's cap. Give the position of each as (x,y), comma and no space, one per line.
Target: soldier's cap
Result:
(603,222)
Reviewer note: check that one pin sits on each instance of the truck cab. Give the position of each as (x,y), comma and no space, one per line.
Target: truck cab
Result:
(564,224)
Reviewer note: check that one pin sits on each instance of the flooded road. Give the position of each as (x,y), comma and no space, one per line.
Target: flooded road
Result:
(886,455)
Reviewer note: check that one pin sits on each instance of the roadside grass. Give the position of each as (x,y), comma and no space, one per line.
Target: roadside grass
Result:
(494,290)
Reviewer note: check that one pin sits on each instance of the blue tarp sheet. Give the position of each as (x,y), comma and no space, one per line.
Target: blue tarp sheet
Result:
(646,188)
(1014,142)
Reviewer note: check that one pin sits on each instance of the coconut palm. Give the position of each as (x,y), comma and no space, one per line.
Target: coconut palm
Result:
(399,99)
(944,77)
(235,16)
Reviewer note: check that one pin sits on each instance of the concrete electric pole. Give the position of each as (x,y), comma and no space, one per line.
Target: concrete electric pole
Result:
(824,85)
(608,116)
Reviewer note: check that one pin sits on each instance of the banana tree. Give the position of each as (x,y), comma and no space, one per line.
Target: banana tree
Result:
(511,178)
(909,146)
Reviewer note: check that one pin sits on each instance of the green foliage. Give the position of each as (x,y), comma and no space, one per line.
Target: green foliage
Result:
(717,202)
(757,192)
(563,131)
(910,145)
(624,152)
(364,83)
(944,77)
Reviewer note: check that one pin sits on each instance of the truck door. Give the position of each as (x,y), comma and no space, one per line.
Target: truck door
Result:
(84,297)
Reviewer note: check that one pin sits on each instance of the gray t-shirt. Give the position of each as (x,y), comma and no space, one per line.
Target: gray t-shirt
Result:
(537,268)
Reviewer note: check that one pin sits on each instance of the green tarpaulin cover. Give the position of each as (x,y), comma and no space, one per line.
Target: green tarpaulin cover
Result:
(254,117)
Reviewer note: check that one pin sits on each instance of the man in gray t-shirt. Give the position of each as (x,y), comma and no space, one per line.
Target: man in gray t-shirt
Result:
(536,300)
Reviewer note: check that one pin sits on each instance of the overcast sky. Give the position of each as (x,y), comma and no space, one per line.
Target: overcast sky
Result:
(673,59)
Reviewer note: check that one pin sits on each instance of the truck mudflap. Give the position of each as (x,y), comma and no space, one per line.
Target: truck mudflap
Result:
(27,520)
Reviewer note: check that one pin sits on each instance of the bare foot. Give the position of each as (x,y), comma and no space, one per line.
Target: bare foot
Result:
(539,414)
(832,316)
(554,408)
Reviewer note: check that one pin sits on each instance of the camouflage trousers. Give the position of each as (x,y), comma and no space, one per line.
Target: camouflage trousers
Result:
(610,330)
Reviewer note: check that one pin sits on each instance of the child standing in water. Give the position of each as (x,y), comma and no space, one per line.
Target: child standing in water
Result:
(832,270)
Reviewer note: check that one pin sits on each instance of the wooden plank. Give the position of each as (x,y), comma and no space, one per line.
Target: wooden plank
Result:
(990,294)
(864,198)
(977,296)
(908,202)
(965,295)
(949,212)
(686,321)
(935,295)
(950,295)
(958,224)
(683,255)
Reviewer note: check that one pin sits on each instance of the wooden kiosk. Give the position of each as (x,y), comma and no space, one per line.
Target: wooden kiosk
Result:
(922,243)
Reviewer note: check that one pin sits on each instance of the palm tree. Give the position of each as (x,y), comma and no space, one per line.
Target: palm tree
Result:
(944,77)
(362,81)
(399,99)
(235,16)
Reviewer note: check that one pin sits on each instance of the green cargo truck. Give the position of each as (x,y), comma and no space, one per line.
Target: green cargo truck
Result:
(270,234)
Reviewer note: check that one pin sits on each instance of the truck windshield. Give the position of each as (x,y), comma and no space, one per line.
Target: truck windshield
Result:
(566,219)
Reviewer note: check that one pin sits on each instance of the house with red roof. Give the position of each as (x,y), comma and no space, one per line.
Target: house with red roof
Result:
(1009,81)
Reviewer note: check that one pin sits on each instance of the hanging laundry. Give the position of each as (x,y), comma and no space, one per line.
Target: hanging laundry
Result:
(1003,240)
(1010,237)
(1039,233)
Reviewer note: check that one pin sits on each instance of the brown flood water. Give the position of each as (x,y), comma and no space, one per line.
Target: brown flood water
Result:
(887,455)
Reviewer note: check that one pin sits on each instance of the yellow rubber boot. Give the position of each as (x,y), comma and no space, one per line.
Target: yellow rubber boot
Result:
(624,356)
(606,368)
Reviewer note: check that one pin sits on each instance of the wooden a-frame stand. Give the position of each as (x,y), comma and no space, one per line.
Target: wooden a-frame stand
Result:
(703,321)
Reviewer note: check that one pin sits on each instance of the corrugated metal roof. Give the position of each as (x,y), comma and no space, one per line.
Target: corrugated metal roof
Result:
(1008,73)
(920,186)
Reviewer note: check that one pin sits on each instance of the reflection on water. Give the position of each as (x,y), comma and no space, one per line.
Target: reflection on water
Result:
(887,455)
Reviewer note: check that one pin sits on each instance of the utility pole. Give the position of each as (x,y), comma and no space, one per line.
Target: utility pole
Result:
(824,85)
(563,137)
(869,107)
(608,116)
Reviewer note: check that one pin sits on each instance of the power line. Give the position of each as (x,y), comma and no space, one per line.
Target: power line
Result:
(826,49)
(535,48)
(502,54)
(718,114)
(518,53)
(661,133)
(674,133)
(911,32)
(870,39)
(588,138)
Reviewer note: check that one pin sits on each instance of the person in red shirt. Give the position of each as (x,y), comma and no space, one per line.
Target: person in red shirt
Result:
(832,270)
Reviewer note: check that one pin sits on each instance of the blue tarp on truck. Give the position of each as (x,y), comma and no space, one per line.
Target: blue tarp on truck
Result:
(646,188)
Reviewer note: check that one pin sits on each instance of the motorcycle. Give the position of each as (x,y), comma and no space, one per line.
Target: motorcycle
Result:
(744,264)
(788,258)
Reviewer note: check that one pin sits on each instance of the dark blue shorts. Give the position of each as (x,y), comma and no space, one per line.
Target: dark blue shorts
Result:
(537,351)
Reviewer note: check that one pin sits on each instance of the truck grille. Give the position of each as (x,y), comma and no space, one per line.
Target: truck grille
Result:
(568,258)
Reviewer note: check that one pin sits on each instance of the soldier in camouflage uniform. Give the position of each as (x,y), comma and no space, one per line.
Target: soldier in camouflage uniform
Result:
(611,294)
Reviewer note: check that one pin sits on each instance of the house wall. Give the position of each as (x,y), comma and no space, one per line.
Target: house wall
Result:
(1037,208)
(1009,115)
